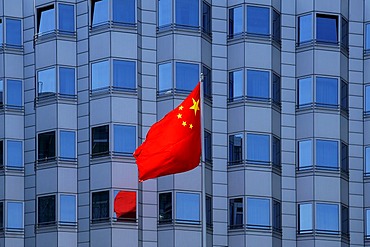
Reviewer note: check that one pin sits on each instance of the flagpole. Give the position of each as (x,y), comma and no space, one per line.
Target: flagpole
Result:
(204,218)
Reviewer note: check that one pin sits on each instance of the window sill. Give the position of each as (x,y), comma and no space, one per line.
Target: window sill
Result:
(321,108)
(11,49)
(312,44)
(180,29)
(113,91)
(54,98)
(113,26)
(318,234)
(56,226)
(252,101)
(54,35)
(254,38)
(324,171)
(16,110)
(113,222)
(8,170)
(12,232)
(55,162)
(179,224)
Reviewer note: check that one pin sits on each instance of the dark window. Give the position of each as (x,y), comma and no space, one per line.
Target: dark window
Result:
(128,198)
(164,77)
(46,146)
(276,33)
(326,28)
(124,11)
(344,96)
(124,139)
(100,140)
(187,76)
(276,216)
(258,148)
(367,161)
(235,21)
(100,206)
(67,81)
(345,221)
(124,74)
(165,207)
(207,19)
(305,154)
(258,84)
(46,210)
(258,213)
(367,38)
(46,82)
(99,11)
(100,75)
(236,213)
(1,32)
(14,93)
(14,154)
(276,152)
(344,36)
(305,218)
(67,145)
(258,20)
(13,32)
(276,89)
(68,209)
(344,157)
(187,13)
(305,29)
(164,12)
(208,146)
(367,99)
(235,149)
(207,82)
(188,207)
(14,216)
(305,92)
(327,154)
(327,218)
(1,154)
(235,85)
(45,20)
(1,216)
(66,18)
(209,210)
(327,92)
(367,223)
(1,93)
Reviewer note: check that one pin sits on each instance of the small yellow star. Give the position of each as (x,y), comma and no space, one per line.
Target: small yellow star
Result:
(195,106)
(181,107)
(184,123)
(190,126)
(179,116)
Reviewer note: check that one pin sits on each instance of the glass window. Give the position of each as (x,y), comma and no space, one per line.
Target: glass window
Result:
(344,157)
(164,77)
(276,150)
(68,209)
(46,82)
(208,146)
(257,84)
(165,207)
(327,218)
(15,154)
(276,215)
(207,18)
(13,32)
(187,76)
(305,154)
(258,20)
(344,36)
(305,92)
(46,210)
(66,18)
(305,218)
(1,216)
(100,140)
(235,21)
(367,223)
(236,85)
(100,206)
(367,37)
(46,146)
(367,99)
(99,10)
(207,82)
(258,213)
(187,207)
(124,139)
(100,75)
(235,149)
(46,19)
(345,220)
(124,74)
(187,13)
(326,91)
(327,28)
(258,148)
(344,95)
(124,11)
(14,93)
(305,28)
(67,145)
(327,154)
(127,202)
(1,154)
(209,210)
(276,33)
(1,93)
(67,81)
(15,215)
(367,161)
(236,213)
(1,32)
(164,12)
(276,89)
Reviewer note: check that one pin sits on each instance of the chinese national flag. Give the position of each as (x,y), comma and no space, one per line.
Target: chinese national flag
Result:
(125,204)
(172,144)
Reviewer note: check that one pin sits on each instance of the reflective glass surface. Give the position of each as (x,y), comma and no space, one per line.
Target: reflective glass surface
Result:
(258,84)
(258,20)
(67,145)
(46,19)
(15,154)
(187,12)
(187,207)
(124,74)
(327,218)
(327,154)
(13,32)
(66,18)
(15,215)
(14,93)
(100,75)
(68,209)
(124,139)
(258,212)
(67,81)
(46,82)
(258,148)
(124,11)
(187,76)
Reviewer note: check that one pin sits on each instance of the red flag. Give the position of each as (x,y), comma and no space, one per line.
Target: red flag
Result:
(173,144)
(125,204)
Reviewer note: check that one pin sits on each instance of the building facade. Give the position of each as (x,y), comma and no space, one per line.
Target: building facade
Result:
(286,122)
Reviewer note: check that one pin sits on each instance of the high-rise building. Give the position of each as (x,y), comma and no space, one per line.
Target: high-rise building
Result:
(286,113)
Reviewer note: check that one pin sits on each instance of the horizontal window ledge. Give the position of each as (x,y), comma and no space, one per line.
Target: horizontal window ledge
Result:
(173,28)
(104,157)
(321,170)
(254,37)
(170,224)
(102,92)
(321,107)
(324,44)
(53,98)
(11,109)
(14,170)
(56,226)
(114,222)
(12,232)
(254,101)
(12,49)
(54,35)
(324,233)
(113,26)
(55,162)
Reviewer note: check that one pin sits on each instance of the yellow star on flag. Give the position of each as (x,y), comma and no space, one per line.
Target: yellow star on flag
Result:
(190,126)
(179,116)
(195,106)
(181,107)
(184,123)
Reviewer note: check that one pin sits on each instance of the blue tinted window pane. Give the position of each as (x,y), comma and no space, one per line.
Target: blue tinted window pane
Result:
(187,76)
(1,32)
(258,212)
(67,81)
(46,82)
(367,160)
(99,11)
(258,20)
(187,13)
(327,154)
(236,84)
(46,19)
(15,215)
(344,34)
(15,154)
(305,28)
(236,149)
(367,38)
(206,19)
(367,99)
(14,93)
(68,209)
(258,148)
(235,21)
(305,154)
(100,75)
(124,74)
(326,91)
(276,26)
(124,11)
(164,12)
(67,145)
(236,213)
(66,18)
(124,139)
(368,223)
(257,84)
(1,93)
(327,217)
(276,96)
(327,28)
(305,218)
(187,207)
(164,77)
(305,92)
(13,32)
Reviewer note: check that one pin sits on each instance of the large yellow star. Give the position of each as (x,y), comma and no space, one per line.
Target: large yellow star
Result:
(179,116)
(195,106)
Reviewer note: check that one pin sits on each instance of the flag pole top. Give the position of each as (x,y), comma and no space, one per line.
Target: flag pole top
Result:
(201,78)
